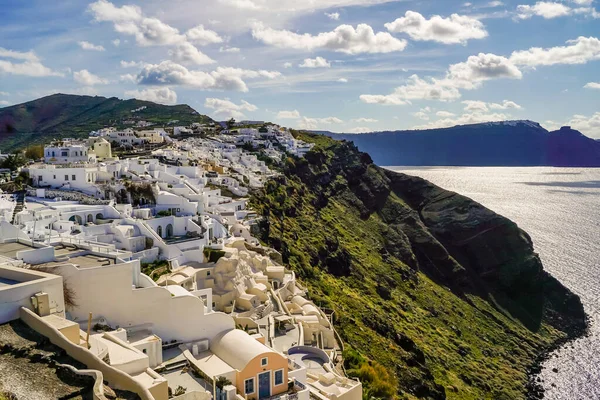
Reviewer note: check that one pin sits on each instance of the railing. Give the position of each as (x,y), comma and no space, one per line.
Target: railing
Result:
(97,247)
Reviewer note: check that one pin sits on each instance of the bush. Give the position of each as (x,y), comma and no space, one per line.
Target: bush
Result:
(164,213)
(213,255)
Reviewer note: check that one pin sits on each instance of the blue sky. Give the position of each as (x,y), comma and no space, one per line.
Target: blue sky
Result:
(339,65)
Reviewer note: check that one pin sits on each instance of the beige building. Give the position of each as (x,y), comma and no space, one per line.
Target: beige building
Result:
(100,147)
(152,136)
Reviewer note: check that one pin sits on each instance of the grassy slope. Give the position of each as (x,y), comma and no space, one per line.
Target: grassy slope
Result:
(60,116)
(434,342)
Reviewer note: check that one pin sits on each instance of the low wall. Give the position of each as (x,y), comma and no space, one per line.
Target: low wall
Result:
(116,378)
(68,195)
(36,256)
(98,389)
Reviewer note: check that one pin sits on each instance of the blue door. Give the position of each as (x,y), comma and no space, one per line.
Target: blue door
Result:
(264,385)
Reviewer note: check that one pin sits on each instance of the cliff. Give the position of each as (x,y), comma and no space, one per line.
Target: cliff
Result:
(507,143)
(435,295)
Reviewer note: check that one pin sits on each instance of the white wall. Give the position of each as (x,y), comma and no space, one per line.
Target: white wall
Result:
(107,291)
(13,297)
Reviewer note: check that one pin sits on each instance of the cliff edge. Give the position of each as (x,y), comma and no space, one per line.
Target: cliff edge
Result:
(435,295)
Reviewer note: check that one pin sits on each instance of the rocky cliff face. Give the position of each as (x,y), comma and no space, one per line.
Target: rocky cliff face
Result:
(435,295)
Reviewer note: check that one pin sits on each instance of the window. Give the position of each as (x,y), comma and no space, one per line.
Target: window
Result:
(54,177)
(66,177)
(279,377)
(249,386)
(264,361)
(72,177)
(207,273)
(39,178)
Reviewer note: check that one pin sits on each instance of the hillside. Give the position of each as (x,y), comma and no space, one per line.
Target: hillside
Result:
(435,296)
(63,115)
(509,143)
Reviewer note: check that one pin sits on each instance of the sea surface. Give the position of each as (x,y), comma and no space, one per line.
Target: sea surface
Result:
(560,209)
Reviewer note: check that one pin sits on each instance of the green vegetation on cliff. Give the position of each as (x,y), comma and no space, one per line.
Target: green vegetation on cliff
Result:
(62,115)
(435,296)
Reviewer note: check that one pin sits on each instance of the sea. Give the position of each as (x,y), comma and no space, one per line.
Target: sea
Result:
(560,209)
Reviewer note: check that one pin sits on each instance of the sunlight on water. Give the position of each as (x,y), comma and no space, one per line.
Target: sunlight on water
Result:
(560,209)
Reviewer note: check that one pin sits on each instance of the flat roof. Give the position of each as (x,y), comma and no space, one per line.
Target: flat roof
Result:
(10,250)
(212,365)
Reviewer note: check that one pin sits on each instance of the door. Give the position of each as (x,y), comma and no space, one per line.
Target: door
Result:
(264,385)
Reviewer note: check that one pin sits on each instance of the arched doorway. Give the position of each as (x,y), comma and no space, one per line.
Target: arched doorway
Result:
(169,230)
(99,216)
(77,219)
(90,218)
(159,231)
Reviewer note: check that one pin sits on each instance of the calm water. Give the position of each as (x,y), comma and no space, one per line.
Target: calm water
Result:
(560,209)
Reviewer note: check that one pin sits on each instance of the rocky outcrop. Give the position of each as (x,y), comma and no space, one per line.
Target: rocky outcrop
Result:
(450,297)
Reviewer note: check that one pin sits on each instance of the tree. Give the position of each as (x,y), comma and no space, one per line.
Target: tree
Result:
(13,161)
(34,152)
(230,123)
(221,382)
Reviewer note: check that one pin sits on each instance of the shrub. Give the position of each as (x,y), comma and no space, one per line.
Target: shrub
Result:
(213,255)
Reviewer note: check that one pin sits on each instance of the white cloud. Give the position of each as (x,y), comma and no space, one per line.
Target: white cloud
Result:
(241,4)
(90,46)
(589,126)
(344,39)
(314,123)
(132,64)
(329,120)
(547,10)
(170,73)
(318,62)
(155,95)
(129,78)
(444,114)
(494,4)
(86,78)
(202,36)
(27,68)
(552,9)
(116,42)
(364,120)
(295,114)
(482,106)
(422,115)
(287,65)
(454,29)
(592,85)
(19,55)
(31,65)
(227,109)
(475,106)
(505,105)
(334,16)
(577,51)
(342,80)
(188,53)
(464,119)
(4,93)
(4,103)
(229,49)
(129,20)
(467,75)
(361,129)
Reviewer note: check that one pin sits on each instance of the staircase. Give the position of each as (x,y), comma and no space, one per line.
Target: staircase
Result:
(20,196)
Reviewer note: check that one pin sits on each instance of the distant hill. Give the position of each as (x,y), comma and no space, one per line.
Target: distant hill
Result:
(64,115)
(508,143)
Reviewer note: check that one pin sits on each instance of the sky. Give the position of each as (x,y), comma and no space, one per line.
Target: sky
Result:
(339,65)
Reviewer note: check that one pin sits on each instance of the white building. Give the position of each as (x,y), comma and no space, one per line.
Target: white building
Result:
(67,151)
